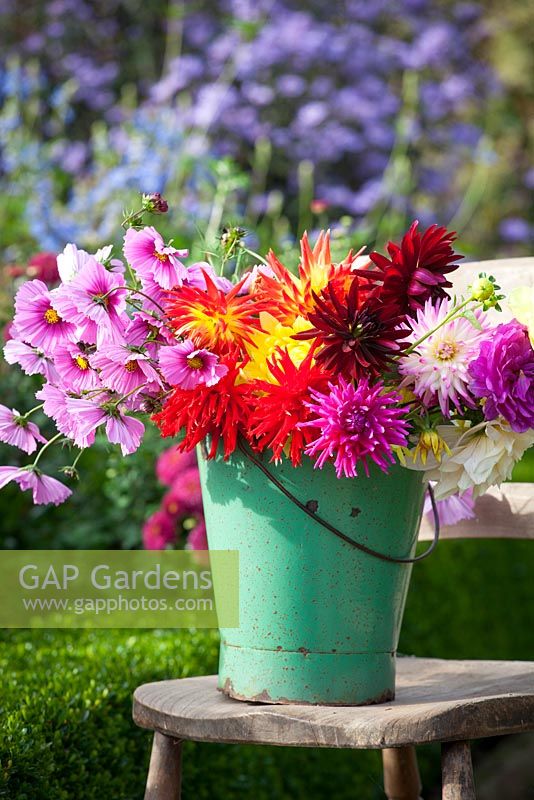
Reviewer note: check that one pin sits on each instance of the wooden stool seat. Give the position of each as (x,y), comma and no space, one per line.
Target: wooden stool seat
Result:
(436,701)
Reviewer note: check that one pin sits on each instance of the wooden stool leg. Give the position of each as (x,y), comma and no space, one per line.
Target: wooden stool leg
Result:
(457,771)
(165,771)
(401,774)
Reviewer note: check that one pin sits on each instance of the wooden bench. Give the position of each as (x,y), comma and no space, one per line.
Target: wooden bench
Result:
(444,701)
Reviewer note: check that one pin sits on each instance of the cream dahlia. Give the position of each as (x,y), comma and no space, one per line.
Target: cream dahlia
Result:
(437,371)
(483,456)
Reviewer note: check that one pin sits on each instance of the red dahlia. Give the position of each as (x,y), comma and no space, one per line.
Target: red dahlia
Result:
(218,411)
(415,271)
(354,339)
(279,407)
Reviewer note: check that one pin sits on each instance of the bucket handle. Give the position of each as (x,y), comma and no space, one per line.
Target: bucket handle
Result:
(308,509)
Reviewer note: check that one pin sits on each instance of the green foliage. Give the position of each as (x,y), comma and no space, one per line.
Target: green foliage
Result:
(471,599)
(67,729)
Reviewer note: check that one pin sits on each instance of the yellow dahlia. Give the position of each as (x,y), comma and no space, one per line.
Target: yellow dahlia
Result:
(274,334)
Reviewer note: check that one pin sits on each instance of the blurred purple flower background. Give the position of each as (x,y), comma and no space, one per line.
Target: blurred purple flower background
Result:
(377,111)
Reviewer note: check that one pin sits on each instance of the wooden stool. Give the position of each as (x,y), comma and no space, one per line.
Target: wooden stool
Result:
(437,700)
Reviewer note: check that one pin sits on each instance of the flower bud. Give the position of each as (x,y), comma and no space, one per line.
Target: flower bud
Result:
(232,237)
(483,288)
(154,203)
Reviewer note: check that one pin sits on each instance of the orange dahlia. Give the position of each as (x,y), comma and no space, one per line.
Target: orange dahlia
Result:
(291,296)
(213,319)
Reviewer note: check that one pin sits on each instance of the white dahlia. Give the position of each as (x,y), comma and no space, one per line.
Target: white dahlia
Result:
(483,456)
(437,370)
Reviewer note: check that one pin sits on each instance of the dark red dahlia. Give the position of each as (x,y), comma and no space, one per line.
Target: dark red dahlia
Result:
(416,270)
(354,339)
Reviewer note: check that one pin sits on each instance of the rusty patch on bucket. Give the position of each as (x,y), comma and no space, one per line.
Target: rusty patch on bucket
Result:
(265,698)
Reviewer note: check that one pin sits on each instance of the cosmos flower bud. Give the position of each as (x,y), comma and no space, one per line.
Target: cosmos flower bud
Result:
(232,238)
(154,203)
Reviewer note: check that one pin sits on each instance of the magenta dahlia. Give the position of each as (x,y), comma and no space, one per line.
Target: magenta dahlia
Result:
(356,423)
(503,374)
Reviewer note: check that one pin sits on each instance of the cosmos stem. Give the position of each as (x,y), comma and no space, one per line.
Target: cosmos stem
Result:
(31,411)
(45,447)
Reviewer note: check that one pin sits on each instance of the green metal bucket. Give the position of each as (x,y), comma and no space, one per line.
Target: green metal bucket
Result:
(319,619)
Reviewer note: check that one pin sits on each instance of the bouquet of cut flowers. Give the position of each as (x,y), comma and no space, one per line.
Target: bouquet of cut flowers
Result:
(369,359)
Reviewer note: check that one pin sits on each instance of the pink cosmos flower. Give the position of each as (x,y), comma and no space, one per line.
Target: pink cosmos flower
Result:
(74,369)
(438,370)
(147,253)
(251,278)
(38,320)
(18,431)
(198,539)
(453,509)
(121,429)
(55,407)
(71,262)
(145,330)
(153,299)
(185,366)
(158,531)
(95,300)
(171,463)
(44,488)
(124,370)
(32,360)
(356,424)
(196,277)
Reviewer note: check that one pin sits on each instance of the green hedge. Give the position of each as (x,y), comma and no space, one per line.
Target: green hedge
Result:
(66,695)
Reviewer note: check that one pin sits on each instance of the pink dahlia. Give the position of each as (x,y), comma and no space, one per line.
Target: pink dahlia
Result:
(437,371)
(158,531)
(38,319)
(198,539)
(124,370)
(186,366)
(74,368)
(503,374)
(44,488)
(186,489)
(356,423)
(95,300)
(19,431)
(147,253)
(32,360)
(171,463)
